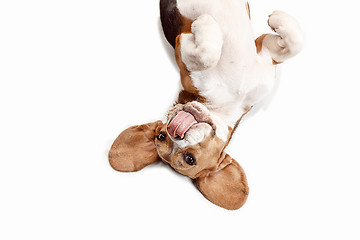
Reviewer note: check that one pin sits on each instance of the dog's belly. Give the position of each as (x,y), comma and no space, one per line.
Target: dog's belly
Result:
(231,93)
(241,77)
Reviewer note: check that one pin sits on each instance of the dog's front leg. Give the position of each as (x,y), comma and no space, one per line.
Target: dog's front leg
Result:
(288,41)
(201,49)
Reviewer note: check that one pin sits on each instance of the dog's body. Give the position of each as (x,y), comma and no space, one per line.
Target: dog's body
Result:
(224,72)
(230,73)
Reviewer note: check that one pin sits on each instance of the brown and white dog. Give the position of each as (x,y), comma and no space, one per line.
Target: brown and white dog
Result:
(224,72)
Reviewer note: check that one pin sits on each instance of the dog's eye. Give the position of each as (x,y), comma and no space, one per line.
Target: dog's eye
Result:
(161,137)
(189,159)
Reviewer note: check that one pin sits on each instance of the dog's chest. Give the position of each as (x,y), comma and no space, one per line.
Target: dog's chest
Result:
(241,77)
(230,93)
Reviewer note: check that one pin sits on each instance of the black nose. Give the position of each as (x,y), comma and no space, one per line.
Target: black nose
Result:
(178,138)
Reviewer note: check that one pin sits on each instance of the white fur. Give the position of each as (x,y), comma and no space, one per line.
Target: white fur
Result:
(194,135)
(201,49)
(222,129)
(290,40)
(239,77)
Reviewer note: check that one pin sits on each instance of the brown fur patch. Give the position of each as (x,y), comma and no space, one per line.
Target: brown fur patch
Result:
(237,124)
(275,62)
(227,188)
(248,9)
(259,45)
(173,23)
(190,93)
(170,20)
(134,148)
(185,97)
(259,42)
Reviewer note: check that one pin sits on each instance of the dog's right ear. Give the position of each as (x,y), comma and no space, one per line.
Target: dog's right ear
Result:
(227,186)
(134,148)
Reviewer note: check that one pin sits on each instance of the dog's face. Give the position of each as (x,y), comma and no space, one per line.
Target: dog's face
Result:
(192,140)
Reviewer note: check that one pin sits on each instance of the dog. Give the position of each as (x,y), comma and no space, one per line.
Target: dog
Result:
(224,71)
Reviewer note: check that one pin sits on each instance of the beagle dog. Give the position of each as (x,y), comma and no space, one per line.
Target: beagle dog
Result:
(224,72)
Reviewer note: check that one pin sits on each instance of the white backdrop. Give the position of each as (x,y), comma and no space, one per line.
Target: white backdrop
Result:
(74,74)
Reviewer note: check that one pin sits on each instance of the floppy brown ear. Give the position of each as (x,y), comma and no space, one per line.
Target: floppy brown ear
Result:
(226,187)
(134,148)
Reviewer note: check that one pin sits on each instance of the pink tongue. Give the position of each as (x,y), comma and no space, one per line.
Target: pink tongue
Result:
(180,124)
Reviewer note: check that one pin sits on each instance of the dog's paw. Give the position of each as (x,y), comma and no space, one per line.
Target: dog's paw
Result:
(204,26)
(292,37)
(283,24)
(208,38)
(202,48)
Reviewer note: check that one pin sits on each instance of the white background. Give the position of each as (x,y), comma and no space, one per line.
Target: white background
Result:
(74,74)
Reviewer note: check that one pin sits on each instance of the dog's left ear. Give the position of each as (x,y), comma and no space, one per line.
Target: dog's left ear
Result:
(226,187)
(134,148)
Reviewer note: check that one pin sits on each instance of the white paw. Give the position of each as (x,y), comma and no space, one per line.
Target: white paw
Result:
(282,23)
(288,29)
(204,26)
(201,49)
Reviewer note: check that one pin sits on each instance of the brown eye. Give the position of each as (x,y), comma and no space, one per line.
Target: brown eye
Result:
(189,159)
(161,137)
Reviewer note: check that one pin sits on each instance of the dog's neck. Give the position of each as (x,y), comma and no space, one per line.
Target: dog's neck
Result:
(223,114)
(185,97)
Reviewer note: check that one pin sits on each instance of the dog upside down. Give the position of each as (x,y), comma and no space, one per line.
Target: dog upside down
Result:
(224,71)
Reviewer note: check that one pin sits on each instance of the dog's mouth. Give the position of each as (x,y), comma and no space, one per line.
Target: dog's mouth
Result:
(180,124)
(185,118)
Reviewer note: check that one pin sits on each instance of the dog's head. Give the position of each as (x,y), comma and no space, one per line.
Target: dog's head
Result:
(192,141)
